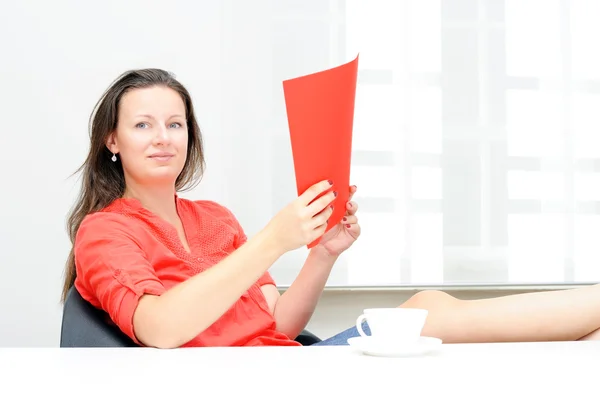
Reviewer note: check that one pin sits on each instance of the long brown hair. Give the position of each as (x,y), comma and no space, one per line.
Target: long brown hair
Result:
(103,181)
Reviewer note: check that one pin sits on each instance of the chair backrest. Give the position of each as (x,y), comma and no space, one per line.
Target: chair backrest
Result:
(83,325)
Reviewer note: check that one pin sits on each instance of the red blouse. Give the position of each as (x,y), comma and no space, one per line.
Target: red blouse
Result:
(125,251)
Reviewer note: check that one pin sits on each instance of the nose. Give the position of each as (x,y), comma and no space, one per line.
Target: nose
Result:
(162,135)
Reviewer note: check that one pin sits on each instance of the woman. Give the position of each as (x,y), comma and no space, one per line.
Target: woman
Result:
(172,272)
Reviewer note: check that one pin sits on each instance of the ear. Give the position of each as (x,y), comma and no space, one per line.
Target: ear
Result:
(111,143)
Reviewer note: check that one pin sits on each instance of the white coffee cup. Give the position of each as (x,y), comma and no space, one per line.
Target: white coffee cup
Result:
(395,324)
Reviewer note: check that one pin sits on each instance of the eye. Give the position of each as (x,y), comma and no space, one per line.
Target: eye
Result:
(175,125)
(142,125)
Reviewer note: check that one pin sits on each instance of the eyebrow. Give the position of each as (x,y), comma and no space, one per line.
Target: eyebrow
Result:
(151,117)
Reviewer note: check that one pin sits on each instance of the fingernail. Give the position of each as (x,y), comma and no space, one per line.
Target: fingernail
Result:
(344,219)
(330,182)
(335,193)
(348,226)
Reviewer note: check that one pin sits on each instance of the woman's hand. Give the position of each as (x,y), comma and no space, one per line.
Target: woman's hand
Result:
(303,220)
(343,235)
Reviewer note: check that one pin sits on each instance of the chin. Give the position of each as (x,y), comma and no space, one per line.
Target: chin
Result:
(162,177)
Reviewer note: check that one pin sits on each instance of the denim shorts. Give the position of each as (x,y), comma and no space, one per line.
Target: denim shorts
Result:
(342,338)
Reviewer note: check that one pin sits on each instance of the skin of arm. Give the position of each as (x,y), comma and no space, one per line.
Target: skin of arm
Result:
(293,309)
(164,321)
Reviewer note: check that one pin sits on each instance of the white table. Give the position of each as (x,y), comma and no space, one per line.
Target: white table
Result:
(521,370)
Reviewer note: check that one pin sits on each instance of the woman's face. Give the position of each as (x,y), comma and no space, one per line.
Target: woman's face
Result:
(151,137)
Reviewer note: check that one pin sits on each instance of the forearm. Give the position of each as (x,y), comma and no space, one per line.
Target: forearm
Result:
(295,307)
(184,311)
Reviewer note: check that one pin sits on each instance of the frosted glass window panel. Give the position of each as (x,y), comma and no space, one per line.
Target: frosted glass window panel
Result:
(533,38)
(378,181)
(425,35)
(426,183)
(536,248)
(586,248)
(535,185)
(426,249)
(534,124)
(585,31)
(587,187)
(374,31)
(375,258)
(425,120)
(585,124)
(378,118)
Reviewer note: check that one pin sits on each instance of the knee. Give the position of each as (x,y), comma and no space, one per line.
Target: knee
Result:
(430,300)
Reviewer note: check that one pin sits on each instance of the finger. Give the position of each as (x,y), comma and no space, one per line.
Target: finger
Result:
(320,204)
(322,217)
(314,191)
(319,231)
(352,191)
(351,208)
(350,219)
(353,229)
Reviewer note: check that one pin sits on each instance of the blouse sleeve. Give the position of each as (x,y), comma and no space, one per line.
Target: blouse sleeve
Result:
(266,279)
(112,266)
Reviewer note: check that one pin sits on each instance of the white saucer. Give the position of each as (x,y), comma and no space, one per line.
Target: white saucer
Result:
(373,347)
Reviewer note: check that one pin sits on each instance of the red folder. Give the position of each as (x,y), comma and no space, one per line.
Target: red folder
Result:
(320,113)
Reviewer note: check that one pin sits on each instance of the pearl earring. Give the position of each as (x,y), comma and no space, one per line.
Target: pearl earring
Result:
(114,158)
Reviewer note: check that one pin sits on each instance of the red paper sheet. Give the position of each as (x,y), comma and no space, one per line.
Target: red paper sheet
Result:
(320,112)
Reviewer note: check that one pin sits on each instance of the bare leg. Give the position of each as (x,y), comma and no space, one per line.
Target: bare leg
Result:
(565,315)
(593,336)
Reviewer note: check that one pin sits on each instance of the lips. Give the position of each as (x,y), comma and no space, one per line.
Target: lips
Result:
(161,156)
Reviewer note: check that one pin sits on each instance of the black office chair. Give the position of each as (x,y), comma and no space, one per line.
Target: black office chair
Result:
(84,326)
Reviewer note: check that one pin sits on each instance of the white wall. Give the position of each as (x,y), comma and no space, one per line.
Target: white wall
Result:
(57,58)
